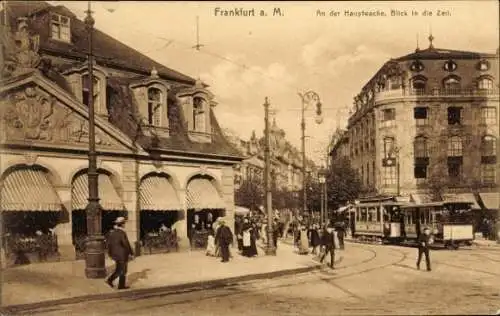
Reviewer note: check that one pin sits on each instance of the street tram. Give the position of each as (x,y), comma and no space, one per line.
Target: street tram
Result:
(377,220)
(450,223)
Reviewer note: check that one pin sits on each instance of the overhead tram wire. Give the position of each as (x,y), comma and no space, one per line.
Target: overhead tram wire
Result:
(198,47)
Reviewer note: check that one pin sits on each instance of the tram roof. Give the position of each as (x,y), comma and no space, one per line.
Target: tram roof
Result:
(433,204)
(383,203)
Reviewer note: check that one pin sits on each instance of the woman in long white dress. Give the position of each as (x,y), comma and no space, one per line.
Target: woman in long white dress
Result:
(211,250)
(303,241)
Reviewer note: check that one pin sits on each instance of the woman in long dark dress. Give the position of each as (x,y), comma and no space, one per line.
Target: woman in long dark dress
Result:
(315,239)
(247,238)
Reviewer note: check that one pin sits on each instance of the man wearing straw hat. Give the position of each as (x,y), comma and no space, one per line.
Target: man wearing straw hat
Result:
(120,251)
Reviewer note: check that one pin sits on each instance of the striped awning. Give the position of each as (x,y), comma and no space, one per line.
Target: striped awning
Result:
(461,197)
(490,200)
(109,198)
(421,198)
(158,194)
(201,194)
(29,190)
(240,210)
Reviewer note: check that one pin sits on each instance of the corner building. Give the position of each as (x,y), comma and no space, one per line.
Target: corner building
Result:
(162,158)
(425,127)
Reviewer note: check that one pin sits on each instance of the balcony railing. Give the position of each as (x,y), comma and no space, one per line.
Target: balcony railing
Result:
(399,93)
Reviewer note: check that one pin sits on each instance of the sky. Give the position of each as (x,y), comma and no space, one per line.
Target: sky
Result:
(247,58)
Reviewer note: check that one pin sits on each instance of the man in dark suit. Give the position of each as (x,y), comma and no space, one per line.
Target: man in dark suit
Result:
(328,242)
(424,240)
(224,238)
(120,251)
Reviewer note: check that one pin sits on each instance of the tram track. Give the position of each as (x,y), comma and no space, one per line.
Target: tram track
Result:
(467,268)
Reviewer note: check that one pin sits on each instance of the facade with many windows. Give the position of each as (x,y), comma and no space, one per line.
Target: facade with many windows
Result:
(426,126)
(163,161)
(286,165)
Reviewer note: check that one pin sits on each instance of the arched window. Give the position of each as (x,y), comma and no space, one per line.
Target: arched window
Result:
(455,146)
(198,114)
(155,106)
(96,92)
(418,83)
(488,146)
(451,83)
(420,147)
(485,83)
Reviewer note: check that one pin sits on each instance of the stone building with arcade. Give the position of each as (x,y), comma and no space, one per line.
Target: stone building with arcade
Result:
(163,161)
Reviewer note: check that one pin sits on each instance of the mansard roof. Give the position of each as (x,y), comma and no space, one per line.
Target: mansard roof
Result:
(107,50)
(442,53)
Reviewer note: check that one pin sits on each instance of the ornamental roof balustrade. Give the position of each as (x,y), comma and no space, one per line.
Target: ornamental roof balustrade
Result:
(435,92)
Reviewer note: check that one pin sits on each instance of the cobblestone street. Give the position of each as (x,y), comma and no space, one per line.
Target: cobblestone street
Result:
(385,282)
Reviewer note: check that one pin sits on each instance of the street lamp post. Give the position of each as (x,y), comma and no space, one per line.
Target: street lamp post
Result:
(270,249)
(306,99)
(94,248)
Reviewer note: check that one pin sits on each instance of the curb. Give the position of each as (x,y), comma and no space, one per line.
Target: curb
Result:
(164,290)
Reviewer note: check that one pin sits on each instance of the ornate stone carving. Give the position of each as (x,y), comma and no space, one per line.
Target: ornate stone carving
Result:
(31,114)
(203,170)
(21,50)
(30,158)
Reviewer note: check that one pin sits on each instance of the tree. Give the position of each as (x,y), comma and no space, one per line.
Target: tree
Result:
(343,183)
(250,194)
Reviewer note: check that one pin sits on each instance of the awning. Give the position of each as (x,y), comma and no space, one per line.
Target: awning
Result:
(240,210)
(490,200)
(158,194)
(108,197)
(201,194)
(462,197)
(343,208)
(420,198)
(29,190)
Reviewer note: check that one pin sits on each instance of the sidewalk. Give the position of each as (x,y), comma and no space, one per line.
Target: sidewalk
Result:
(65,282)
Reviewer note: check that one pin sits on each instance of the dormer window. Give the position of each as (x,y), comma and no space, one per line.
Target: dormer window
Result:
(155,106)
(86,92)
(483,65)
(60,27)
(199,115)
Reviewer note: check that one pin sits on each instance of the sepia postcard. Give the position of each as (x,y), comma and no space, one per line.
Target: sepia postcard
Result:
(249,158)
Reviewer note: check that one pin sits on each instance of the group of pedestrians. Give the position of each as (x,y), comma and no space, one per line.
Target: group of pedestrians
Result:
(327,240)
